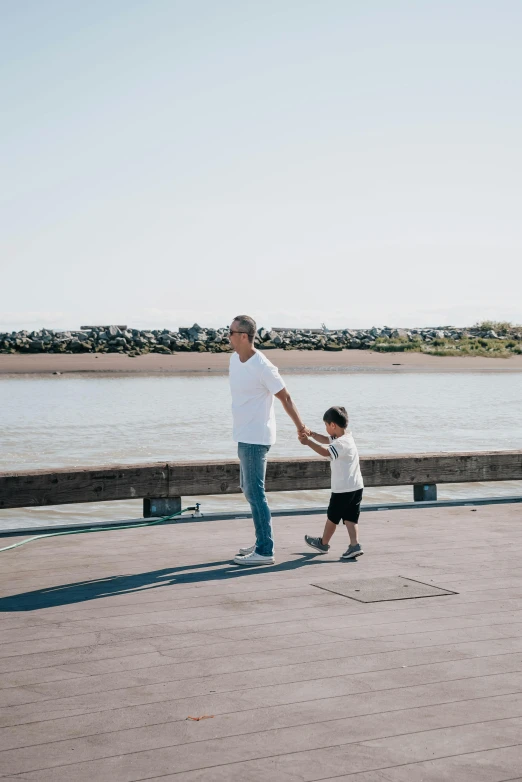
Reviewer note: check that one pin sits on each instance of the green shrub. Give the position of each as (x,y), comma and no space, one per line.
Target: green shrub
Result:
(499,326)
(468,346)
(395,347)
(446,352)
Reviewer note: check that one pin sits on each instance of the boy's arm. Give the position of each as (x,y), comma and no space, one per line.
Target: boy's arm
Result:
(305,440)
(320,438)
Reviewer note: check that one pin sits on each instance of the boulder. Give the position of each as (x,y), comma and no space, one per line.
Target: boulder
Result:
(333,346)
(121,339)
(196,334)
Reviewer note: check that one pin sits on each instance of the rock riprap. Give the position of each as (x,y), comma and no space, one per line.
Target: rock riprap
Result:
(445,340)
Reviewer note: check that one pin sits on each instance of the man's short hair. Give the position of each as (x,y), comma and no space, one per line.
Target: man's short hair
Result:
(247,324)
(336,415)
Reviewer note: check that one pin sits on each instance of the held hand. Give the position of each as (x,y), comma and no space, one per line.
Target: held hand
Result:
(303,438)
(304,429)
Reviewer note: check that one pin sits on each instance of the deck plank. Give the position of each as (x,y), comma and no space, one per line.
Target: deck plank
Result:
(106,650)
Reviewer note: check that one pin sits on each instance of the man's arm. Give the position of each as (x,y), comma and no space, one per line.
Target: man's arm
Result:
(305,440)
(288,404)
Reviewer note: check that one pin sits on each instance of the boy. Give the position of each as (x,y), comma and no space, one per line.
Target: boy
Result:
(347,482)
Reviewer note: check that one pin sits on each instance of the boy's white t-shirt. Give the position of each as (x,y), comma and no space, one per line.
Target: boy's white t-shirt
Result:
(253,384)
(346,471)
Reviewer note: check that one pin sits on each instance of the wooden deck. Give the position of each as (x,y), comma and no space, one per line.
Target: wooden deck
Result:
(110,641)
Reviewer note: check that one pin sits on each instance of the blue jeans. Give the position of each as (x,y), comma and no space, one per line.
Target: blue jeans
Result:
(252,471)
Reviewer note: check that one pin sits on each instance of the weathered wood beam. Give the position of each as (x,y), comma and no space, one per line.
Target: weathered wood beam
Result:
(89,484)
(407,469)
(185,479)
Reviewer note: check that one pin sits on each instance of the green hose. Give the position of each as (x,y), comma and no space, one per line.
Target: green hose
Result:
(98,529)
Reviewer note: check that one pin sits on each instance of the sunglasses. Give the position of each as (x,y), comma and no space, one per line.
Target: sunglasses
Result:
(237,332)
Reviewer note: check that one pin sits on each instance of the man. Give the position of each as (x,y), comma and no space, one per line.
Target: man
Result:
(254,381)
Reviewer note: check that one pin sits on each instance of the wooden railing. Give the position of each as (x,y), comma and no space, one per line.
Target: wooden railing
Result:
(186,479)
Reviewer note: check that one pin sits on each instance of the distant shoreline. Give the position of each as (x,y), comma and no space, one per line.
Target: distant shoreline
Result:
(206,364)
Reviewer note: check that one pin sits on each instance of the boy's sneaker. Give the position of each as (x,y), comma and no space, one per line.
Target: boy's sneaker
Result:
(317,544)
(247,550)
(253,559)
(352,552)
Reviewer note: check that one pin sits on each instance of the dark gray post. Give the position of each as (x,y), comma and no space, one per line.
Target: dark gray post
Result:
(165,506)
(424,492)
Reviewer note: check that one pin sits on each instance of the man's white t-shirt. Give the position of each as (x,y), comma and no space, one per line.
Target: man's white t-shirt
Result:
(253,384)
(346,472)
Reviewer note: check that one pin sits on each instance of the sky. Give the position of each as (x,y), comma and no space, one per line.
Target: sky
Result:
(337,161)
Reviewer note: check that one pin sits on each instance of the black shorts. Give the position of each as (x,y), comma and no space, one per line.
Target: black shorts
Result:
(345,506)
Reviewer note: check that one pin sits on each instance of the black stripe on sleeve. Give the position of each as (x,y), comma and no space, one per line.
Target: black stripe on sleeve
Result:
(333,451)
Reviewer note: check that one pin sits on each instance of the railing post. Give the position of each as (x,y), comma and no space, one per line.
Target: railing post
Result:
(166,506)
(424,492)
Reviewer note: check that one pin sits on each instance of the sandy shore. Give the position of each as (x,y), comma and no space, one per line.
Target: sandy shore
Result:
(217,363)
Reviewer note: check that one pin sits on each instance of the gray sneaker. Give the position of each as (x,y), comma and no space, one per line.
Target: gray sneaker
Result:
(317,544)
(352,552)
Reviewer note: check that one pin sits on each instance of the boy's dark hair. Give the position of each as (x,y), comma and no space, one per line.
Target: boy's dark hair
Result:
(248,325)
(336,415)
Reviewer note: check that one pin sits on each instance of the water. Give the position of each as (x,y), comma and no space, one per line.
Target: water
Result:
(61,421)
